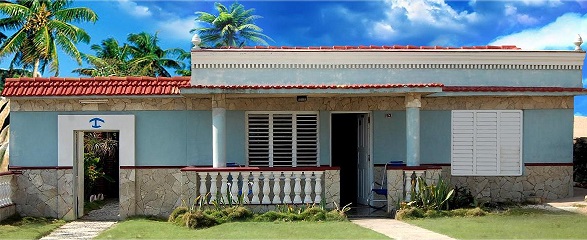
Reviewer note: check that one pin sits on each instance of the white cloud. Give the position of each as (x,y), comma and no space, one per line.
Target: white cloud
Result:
(433,12)
(382,30)
(559,34)
(511,12)
(550,3)
(134,9)
(176,28)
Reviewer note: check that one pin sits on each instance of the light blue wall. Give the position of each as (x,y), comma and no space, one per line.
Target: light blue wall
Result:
(33,139)
(324,135)
(389,136)
(180,138)
(168,138)
(458,77)
(548,136)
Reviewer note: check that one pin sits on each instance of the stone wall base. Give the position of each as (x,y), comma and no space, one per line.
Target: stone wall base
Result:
(7,211)
(544,182)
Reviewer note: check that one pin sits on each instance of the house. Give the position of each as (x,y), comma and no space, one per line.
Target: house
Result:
(304,125)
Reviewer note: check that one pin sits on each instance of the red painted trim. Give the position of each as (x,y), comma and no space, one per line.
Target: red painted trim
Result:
(257,169)
(319,86)
(151,167)
(39,167)
(437,164)
(10,173)
(547,164)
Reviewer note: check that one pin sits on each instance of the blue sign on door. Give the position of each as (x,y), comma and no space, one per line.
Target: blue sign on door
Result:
(96,122)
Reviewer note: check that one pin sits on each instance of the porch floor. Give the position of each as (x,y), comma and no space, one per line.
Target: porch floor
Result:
(364,211)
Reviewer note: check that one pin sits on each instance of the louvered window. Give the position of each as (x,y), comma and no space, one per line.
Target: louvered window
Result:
(282,139)
(486,143)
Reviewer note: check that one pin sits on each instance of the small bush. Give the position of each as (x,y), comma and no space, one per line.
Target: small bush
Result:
(410,213)
(475,212)
(461,199)
(178,212)
(198,219)
(336,215)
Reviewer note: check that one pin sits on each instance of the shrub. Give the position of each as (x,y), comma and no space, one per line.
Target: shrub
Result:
(178,212)
(198,219)
(410,213)
(462,198)
(475,212)
(431,196)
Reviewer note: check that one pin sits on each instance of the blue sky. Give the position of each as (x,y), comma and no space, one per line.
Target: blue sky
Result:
(529,24)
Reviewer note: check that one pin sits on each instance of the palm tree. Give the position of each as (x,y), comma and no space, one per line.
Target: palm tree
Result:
(232,26)
(149,59)
(111,59)
(42,26)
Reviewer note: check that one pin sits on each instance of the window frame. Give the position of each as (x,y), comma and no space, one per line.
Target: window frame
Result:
(499,138)
(294,131)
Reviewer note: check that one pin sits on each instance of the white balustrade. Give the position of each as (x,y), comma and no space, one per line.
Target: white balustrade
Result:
(287,187)
(223,186)
(255,199)
(267,187)
(318,187)
(5,190)
(308,187)
(297,187)
(276,188)
(412,181)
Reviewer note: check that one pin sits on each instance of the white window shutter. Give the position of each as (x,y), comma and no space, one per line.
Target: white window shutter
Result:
(282,139)
(486,142)
(463,135)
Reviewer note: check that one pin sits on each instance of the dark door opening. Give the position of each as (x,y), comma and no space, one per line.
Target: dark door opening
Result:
(344,150)
(97,175)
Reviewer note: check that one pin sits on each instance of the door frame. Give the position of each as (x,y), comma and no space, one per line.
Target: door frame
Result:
(71,125)
(370,132)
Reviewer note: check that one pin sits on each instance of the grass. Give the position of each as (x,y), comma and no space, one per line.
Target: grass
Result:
(27,227)
(145,228)
(511,224)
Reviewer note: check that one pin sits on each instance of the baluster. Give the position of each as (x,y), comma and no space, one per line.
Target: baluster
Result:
(4,192)
(266,189)
(255,199)
(418,175)
(223,186)
(318,187)
(308,187)
(276,188)
(234,187)
(297,188)
(203,188)
(213,187)
(246,187)
(287,187)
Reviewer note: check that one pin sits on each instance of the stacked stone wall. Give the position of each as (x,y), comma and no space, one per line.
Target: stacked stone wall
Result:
(290,104)
(159,191)
(44,193)
(543,182)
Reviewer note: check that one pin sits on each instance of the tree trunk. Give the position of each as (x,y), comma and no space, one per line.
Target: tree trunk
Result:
(36,68)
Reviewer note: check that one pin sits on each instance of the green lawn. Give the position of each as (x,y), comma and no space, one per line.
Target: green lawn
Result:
(28,228)
(515,224)
(142,228)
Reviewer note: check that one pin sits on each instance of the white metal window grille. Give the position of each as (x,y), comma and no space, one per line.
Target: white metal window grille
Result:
(282,139)
(486,142)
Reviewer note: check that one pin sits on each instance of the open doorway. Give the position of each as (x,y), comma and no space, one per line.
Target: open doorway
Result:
(350,151)
(97,171)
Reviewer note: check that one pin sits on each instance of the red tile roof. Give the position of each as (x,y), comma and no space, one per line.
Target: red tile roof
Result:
(124,86)
(385,47)
(509,89)
(54,86)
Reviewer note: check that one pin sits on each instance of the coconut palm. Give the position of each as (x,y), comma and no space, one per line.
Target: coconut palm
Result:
(148,59)
(233,26)
(41,27)
(111,59)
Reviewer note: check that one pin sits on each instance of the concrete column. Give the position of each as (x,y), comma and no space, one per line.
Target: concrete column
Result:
(413,105)
(219,130)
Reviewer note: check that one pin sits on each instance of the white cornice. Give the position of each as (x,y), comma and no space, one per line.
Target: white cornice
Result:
(445,59)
